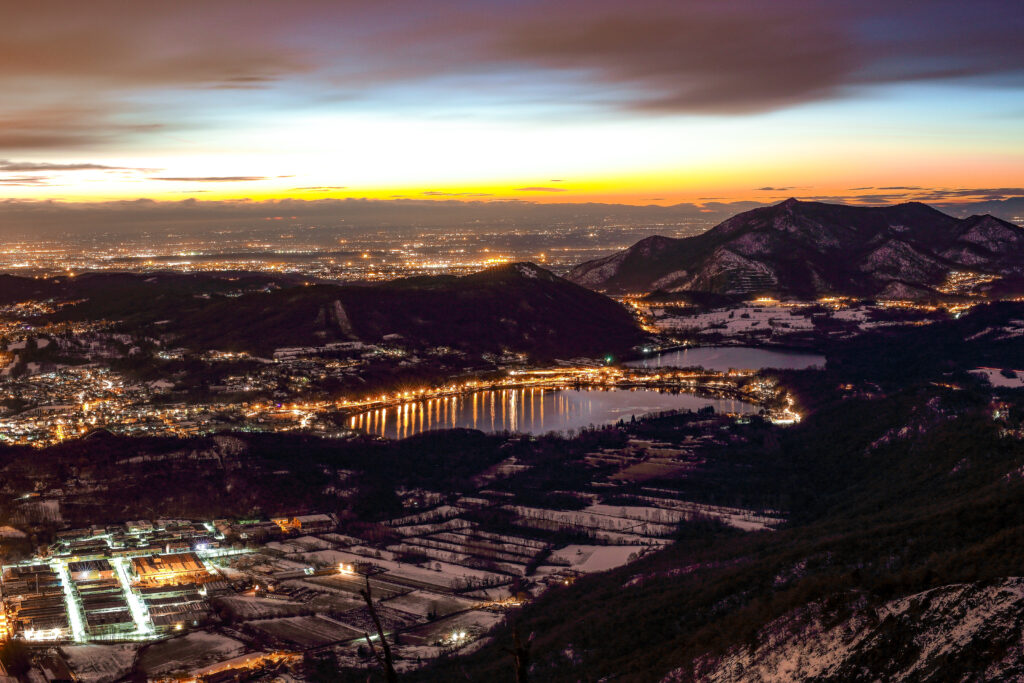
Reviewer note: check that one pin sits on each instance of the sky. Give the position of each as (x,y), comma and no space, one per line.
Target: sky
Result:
(629,102)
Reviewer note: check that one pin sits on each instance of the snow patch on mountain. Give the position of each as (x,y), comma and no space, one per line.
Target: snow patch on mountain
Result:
(993,234)
(527,271)
(898,259)
(595,273)
(914,638)
(674,281)
(967,255)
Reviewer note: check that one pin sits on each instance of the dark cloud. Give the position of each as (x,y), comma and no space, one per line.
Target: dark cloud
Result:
(944,197)
(872,199)
(24,180)
(541,189)
(1008,209)
(212,178)
(438,193)
(726,209)
(986,192)
(7,166)
(110,44)
(106,70)
(695,57)
(321,187)
(83,75)
(66,127)
(245,83)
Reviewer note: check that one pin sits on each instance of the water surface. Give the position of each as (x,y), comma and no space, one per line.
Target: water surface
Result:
(531,410)
(724,358)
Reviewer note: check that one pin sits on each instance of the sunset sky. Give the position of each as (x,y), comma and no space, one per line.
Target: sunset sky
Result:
(631,102)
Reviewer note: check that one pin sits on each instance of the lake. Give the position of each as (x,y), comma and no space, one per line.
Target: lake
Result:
(724,358)
(533,410)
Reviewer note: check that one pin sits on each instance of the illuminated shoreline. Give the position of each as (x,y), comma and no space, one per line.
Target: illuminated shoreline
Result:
(130,415)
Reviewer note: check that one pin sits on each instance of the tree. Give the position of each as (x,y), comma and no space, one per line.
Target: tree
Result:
(521,652)
(383,658)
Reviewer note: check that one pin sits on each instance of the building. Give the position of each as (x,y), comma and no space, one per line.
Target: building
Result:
(6,628)
(90,570)
(36,579)
(173,608)
(158,570)
(259,532)
(35,602)
(139,526)
(177,546)
(104,607)
(306,524)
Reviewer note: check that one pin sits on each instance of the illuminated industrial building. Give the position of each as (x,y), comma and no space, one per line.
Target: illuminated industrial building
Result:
(306,524)
(178,568)
(90,570)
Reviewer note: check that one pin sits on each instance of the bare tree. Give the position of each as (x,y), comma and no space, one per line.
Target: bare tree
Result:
(521,652)
(383,658)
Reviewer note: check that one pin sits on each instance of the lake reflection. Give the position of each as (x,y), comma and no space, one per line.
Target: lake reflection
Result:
(723,358)
(533,410)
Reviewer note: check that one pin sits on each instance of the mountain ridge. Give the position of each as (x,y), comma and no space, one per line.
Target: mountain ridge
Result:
(518,307)
(808,249)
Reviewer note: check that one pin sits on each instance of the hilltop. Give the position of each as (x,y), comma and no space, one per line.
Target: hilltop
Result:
(518,307)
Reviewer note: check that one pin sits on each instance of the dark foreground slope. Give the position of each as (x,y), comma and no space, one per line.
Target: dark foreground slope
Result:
(519,308)
(810,248)
(901,562)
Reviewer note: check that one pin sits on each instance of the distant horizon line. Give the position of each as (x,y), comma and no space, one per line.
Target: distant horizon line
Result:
(49,218)
(952,199)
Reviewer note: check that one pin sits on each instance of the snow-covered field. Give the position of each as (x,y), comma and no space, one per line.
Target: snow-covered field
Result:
(597,558)
(189,652)
(424,604)
(768,320)
(475,622)
(449,576)
(306,632)
(421,529)
(99,663)
(996,378)
(640,524)
(244,607)
(425,547)
(736,320)
(437,514)
(747,520)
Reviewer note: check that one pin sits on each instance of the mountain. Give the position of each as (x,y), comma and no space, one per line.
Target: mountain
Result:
(913,638)
(809,248)
(517,307)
